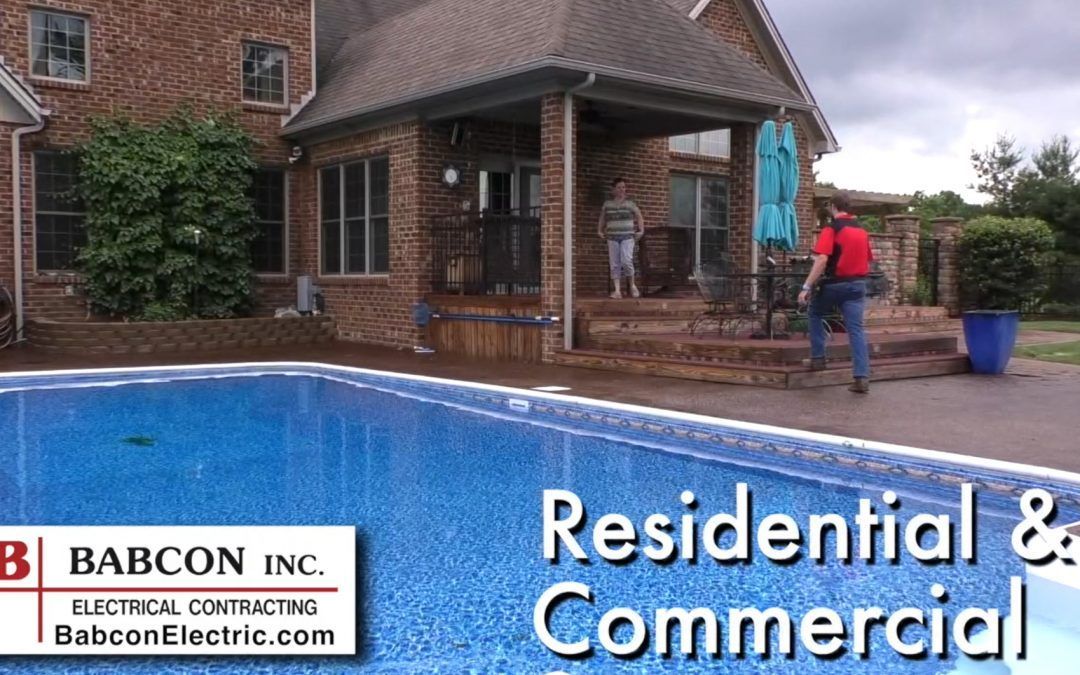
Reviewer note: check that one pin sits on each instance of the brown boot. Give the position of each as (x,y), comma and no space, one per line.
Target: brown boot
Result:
(817,364)
(861,385)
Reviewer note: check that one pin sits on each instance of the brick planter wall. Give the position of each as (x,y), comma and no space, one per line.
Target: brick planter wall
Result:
(177,336)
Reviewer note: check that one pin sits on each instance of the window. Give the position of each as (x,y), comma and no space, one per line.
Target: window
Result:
(268,197)
(59,46)
(355,217)
(700,203)
(265,74)
(496,191)
(59,220)
(716,143)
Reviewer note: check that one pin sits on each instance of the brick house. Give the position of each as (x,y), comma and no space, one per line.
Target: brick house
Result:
(439,150)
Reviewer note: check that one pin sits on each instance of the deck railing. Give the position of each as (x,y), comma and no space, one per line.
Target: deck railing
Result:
(487,253)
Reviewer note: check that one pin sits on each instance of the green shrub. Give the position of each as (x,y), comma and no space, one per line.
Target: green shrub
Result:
(1000,259)
(169,221)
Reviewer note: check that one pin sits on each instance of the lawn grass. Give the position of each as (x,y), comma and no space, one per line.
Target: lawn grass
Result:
(1063,352)
(1057,326)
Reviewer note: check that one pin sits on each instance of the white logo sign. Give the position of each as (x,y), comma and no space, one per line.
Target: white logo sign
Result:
(177,590)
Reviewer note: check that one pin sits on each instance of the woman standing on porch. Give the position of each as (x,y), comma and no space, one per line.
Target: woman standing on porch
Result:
(621,224)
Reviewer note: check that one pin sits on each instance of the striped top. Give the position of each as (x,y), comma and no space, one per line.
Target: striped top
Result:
(619,218)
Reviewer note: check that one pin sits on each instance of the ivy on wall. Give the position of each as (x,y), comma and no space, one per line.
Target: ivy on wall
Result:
(169,220)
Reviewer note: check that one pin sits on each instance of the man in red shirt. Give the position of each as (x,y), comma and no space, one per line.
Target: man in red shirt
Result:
(842,258)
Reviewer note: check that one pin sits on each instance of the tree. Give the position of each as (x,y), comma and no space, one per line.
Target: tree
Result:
(1047,189)
(997,169)
(946,204)
(1056,160)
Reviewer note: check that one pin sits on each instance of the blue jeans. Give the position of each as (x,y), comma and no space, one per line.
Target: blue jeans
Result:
(850,297)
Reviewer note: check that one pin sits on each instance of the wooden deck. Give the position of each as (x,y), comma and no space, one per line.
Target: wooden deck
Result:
(652,336)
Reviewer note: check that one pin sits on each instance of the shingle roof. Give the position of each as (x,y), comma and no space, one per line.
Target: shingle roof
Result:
(444,42)
(686,6)
(336,20)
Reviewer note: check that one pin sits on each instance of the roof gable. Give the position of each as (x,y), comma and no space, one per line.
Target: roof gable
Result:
(780,58)
(443,44)
(18,103)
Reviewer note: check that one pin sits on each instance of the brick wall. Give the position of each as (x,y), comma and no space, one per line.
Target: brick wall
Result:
(376,309)
(145,59)
(177,336)
(723,18)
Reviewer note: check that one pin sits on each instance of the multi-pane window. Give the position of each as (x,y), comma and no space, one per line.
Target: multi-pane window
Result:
(716,143)
(59,217)
(700,204)
(265,74)
(268,197)
(59,45)
(355,217)
(496,191)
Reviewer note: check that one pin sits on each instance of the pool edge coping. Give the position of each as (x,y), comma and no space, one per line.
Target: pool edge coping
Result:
(1029,471)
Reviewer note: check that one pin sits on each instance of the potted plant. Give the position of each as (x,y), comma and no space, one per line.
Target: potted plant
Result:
(999,266)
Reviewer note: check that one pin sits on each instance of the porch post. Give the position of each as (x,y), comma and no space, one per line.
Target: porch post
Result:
(553,201)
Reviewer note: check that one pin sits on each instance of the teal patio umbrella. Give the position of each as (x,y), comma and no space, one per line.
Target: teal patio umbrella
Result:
(789,188)
(769,228)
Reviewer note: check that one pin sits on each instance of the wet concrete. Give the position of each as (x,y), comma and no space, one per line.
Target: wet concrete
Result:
(1029,415)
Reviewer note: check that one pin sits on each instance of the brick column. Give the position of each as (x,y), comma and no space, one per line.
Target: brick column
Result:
(741,194)
(907,227)
(551,217)
(947,231)
(886,248)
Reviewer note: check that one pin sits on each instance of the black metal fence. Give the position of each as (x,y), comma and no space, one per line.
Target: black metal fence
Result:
(487,253)
(926,291)
(1061,297)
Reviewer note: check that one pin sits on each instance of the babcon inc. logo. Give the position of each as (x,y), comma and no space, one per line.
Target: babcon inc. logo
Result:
(177,590)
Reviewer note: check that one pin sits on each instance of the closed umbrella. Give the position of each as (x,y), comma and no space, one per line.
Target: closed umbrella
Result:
(789,188)
(769,229)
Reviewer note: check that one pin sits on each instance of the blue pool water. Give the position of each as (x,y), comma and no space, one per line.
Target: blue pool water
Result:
(447,504)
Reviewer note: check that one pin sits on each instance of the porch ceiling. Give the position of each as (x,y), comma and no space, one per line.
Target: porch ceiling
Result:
(623,110)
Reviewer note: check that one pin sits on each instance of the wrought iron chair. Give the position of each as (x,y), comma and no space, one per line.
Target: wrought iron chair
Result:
(727,297)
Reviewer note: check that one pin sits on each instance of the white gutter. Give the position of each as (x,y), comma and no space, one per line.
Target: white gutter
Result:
(568,210)
(16,214)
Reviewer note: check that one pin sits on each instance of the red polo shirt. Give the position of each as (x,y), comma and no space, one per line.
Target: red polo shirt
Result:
(848,246)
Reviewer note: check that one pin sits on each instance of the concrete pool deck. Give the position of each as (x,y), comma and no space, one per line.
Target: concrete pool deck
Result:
(1029,415)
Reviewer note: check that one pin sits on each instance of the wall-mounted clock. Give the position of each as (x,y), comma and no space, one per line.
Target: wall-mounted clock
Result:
(451,175)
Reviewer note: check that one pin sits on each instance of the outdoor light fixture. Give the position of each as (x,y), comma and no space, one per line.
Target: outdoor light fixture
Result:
(451,175)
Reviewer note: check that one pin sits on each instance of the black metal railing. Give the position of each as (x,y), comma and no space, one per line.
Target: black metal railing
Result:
(929,273)
(487,253)
(1061,294)
(762,304)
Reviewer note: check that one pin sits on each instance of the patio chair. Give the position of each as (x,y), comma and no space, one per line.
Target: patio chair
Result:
(726,295)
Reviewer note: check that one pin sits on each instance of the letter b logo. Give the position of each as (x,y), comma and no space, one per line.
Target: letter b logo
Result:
(13,565)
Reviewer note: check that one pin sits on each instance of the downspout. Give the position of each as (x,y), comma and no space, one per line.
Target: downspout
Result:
(568,210)
(16,214)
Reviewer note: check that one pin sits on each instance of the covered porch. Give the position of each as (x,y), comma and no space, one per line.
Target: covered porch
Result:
(529,176)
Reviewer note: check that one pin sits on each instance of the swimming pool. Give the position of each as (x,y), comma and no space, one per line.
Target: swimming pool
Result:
(457,473)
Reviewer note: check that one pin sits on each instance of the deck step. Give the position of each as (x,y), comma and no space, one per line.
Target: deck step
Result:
(651,325)
(775,377)
(761,352)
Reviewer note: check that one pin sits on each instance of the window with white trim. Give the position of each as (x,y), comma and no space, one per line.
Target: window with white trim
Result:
(716,143)
(265,74)
(700,204)
(59,215)
(268,197)
(59,45)
(355,217)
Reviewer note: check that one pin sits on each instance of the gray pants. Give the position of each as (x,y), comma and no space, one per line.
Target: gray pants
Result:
(621,257)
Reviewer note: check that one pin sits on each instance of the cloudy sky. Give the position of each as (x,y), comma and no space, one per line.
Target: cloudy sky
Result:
(911,87)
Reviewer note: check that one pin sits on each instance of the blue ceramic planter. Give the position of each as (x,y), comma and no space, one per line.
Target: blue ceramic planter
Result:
(991,337)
